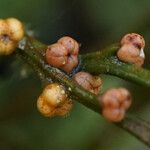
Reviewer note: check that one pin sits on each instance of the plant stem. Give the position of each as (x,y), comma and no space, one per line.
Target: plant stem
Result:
(138,127)
(106,62)
(32,52)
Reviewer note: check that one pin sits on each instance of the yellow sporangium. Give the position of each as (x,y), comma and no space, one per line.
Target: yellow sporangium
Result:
(54,101)
(11,32)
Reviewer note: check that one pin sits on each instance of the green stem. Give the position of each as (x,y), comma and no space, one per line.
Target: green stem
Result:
(31,51)
(106,62)
(138,127)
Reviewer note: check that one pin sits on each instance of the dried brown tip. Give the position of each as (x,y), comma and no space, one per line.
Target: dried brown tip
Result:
(63,54)
(88,82)
(131,50)
(54,101)
(114,104)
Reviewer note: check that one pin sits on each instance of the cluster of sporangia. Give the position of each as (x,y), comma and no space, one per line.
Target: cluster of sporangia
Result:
(54,100)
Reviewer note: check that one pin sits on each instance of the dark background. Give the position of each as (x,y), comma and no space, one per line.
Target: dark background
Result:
(95,24)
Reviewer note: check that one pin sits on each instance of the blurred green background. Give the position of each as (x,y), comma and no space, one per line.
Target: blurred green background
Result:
(95,24)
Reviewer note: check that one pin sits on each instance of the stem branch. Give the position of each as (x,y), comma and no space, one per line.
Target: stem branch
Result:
(32,52)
